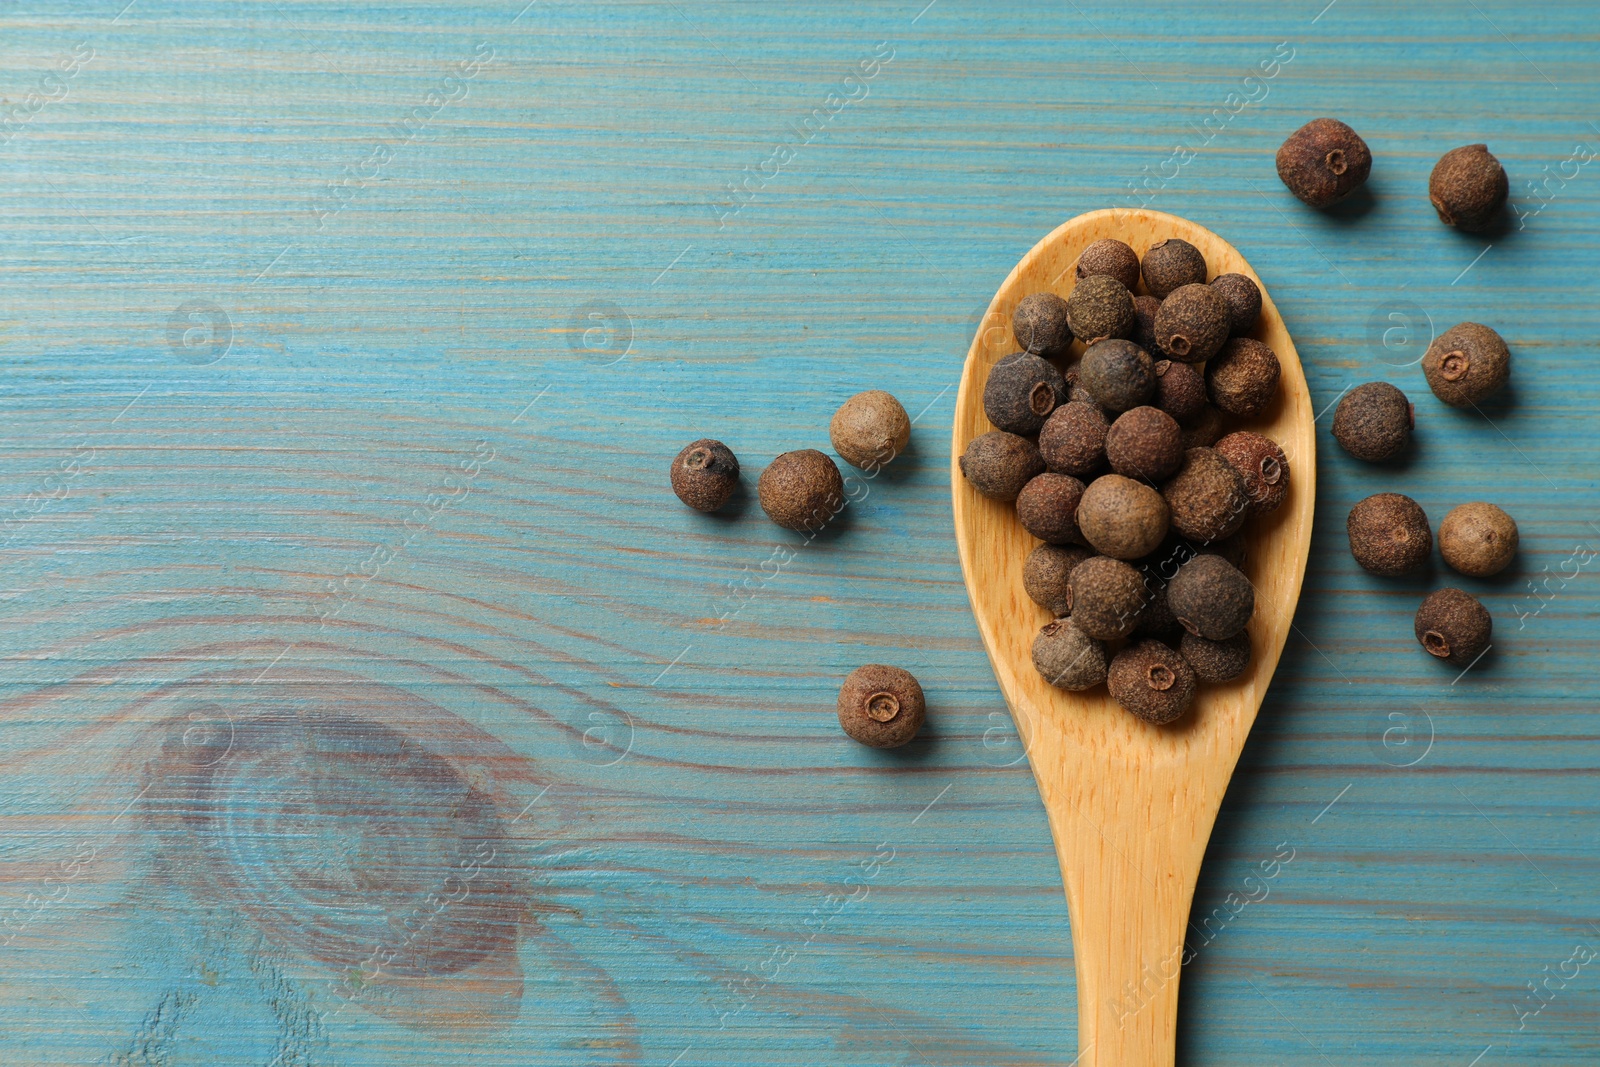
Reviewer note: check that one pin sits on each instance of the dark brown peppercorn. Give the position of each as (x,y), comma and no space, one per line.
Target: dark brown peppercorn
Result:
(1204,431)
(1243,378)
(1180,391)
(1478,539)
(1112,258)
(1108,596)
(1454,626)
(1243,298)
(1206,498)
(801,491)
(1067,657)
(1046,574)
(881,706)
(1100,307)
(1263,466)
(1211,598)
(1073,440)
(1466,363)
(1216,661)
(1152,681)
(999,464)
(1021,392)
(1192,323)
(1047,507)
(1389,534)
(1040,325)
(1118,374)
(1323,162)
(1145,442)
(1468,187)
(1144,322)
(1122,518)
(705,474)
(1374,421)
(870,429)
(1076,393)
(1171,263)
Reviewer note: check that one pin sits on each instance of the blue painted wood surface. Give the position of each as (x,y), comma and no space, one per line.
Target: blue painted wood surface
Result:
(368,699)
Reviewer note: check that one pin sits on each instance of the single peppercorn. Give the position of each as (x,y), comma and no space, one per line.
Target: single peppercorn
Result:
(1192,323)
(1206,499)
(1067,657)
(1453,626)
(1040,325)
(1466,363)
(801,491)
(1374,421)
(1172,263)
(1046,575)
(1243,298)
(1152,681)
(1478,539)
(1205,430)
(1145,442)
(1180,391)
(1108,596)
(1021,392)
(999,464)
(1112,258)
(1389,534)
(1047,507)
(1073,440)
(1263,466)
(1468,187)
(1323,162)
(1211,598)
(1243,378)
(1118,374)
(881,706)
(870,429)
(1122,518)
(1144,322)
(1100,307)
(1216,661)
(705,474)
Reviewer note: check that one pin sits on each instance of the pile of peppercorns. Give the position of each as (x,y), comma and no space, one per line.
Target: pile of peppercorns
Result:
(1121,467)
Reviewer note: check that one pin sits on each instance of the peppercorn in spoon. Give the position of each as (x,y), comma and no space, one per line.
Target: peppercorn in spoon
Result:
(1131,805)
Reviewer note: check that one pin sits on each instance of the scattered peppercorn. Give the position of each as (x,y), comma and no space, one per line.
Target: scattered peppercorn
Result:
(881,706)
(1211,598)
(1192,323)
(1112,258)
(1374,421)
(1145,442)
(1022,390)
(1040,325)
(1216,661)
(1243,298)
(1478,539)
(999,464)
(1100,307)
(1205,431)
(1073,440)
(1323,162)
(1171,263)
(1046,573)
(1152,681)
(1454,626)
(1389,534)
(1206,498)
(870,429)
(1047,507)
(801,491)
(1180,390)
(1145,307)
(1067,657)
(1122,518)
(1243,378)
(1263,466)
(1118,374)
(705,474)
(1468,187)
(1466,363)
(1108,596)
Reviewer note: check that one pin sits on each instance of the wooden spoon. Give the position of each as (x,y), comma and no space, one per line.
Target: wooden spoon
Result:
(1131,805)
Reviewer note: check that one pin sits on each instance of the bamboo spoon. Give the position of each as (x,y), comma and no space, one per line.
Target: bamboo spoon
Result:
(1131,806)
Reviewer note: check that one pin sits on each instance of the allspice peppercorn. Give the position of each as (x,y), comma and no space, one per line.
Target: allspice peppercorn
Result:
(1323,162)
(801,490)
(870,429)
(1047,573)
(1211,598)
(1468,187)
(1243,378)
(1389,534)
(1180,391)
(1118,374)
(1172,263)
(1152,681)
(1021,392)
(1110,257)
(1466,363)
(705,474)
(1204,430)
(1145,442)
(1075,390)
(1144,322)
(1122,518)
(999,464)
(1100,307)
(1047,507)
(1192,323)
(1453,626)
(1108,597)
(1263,466)
(881,706)
(1040,325)
(1216,661)
(1073,440)
(1067,657)
(1243,298)
(1374,421)
(1478,539)
(1206,499)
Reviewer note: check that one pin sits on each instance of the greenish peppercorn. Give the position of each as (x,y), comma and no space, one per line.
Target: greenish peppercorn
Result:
(1021,392)
(1144,322)
(1373,421)
(1453,626)
(1478,539)
(1118,374)
(1108,597)
(1468,187)
(1211,598)
(1180,391)
(1206,499)
(1152,681)
(1112,258)
(1216,661)
(1263,466)
(801,491)
(999,464)
(1122,518)
(1243,297)
(1145,442)
(1389,534)
(1047,507)
(1073,440)
(1040,325)
(1192,323)
(1172,263)
(870,429)
(705,474)
(1100,307)
(1323,162)
(1046,575)
(1243,378)
(881,706)
(1067,657)
(1466,363)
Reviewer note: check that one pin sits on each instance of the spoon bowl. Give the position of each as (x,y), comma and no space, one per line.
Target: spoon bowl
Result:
(1131,806)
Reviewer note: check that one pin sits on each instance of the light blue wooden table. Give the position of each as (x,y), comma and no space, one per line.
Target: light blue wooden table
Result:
(368,699)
